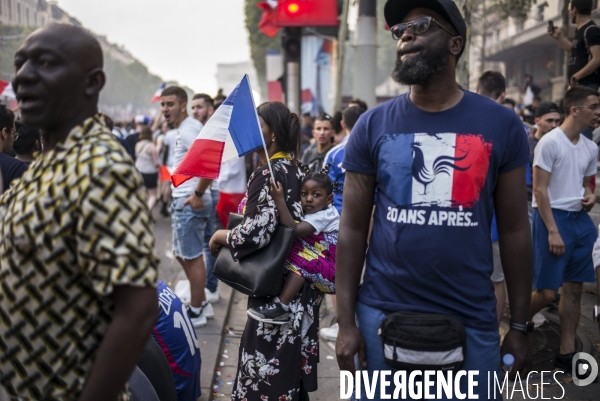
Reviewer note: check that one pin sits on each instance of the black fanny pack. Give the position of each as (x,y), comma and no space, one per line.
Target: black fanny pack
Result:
(423,341)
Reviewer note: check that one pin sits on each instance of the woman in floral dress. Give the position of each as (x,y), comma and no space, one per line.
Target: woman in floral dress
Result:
(276,363)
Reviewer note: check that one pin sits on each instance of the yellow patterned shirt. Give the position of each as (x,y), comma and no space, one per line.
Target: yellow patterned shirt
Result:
(74,227)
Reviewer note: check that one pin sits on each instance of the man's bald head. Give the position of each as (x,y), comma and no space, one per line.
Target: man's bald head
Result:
(58,76)
(76,41)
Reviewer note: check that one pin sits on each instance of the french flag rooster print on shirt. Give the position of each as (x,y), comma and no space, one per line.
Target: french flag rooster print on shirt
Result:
(443,170)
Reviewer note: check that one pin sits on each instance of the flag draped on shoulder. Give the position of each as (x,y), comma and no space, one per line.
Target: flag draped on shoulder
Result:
(156,97)
(232,132)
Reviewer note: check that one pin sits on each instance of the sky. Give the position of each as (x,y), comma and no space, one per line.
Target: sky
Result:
(180,40)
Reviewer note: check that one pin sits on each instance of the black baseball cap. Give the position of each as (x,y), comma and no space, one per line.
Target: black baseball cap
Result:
(395,11)
(545,108)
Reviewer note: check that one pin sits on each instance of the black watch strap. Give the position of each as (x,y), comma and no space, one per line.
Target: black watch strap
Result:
(524,328)
(198,194)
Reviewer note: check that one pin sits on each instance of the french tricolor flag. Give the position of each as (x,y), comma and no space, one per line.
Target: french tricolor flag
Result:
(6,89)
(156,97)
(443,169)
(232,132)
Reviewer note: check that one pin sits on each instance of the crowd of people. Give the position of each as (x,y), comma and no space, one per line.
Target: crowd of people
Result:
(438,206)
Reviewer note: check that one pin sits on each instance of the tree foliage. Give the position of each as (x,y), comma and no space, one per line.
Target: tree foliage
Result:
(11,38)
(259,42)
(127,85)
(518,9)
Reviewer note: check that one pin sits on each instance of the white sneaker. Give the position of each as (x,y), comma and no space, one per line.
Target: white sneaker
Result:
(330,333)
(207,310)
(198,319)
(539,319)
(212,297)
(183,292)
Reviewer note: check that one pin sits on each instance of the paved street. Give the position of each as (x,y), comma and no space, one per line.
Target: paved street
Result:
(219,340)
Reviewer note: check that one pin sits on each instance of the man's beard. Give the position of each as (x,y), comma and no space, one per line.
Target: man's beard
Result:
(422,70)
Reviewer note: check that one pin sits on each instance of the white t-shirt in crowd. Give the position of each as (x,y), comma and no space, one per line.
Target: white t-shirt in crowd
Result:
(528,99)
(184,138)
(169,141)
(568,165)
(324,221)
(232,178)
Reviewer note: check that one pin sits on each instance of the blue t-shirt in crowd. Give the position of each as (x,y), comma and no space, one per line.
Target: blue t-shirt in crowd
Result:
(336,172)
(177,338)
(11,169)
(430,248)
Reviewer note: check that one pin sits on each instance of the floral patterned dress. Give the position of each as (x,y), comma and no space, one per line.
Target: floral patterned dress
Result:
(275,361)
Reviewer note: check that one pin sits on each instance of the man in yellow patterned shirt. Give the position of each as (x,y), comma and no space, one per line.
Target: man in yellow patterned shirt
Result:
(77,262)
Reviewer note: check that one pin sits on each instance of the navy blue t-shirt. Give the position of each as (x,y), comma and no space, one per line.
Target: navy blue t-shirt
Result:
(11,169)
(430,248)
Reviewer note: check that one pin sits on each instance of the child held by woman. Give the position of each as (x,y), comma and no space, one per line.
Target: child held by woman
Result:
(312,255)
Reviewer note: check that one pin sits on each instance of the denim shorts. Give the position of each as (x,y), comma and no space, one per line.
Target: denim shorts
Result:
(579,234)
(188,227)
(483,354)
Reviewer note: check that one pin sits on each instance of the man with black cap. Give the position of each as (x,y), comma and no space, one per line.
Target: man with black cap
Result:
(437,157)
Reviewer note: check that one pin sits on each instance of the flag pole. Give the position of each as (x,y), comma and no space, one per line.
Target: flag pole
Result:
(262,138)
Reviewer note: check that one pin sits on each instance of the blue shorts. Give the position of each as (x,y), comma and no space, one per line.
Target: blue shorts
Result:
(483,353)
(579,233)
(188,227)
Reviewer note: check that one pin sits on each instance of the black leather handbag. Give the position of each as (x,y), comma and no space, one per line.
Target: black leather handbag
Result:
(260,274)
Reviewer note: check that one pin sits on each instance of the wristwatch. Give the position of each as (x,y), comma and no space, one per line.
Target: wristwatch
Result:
(596,313)
(574,78)
(198,194)
(525,328)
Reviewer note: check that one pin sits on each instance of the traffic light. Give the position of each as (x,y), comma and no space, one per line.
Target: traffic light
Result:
(307,13)
(292,44)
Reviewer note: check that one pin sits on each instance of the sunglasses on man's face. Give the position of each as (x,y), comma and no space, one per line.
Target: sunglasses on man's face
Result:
(419,27)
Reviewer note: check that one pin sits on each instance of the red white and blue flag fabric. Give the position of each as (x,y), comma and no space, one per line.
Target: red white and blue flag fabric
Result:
(156,97)
(6,89)
(232,132)
(445,169)
(268,20)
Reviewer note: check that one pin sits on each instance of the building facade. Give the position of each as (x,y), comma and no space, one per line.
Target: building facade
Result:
(25,12)
(518,47)
(35,13)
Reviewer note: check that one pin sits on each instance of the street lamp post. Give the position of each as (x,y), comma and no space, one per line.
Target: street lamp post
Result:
(365,59)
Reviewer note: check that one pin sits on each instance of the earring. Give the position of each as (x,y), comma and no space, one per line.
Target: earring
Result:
(273,140)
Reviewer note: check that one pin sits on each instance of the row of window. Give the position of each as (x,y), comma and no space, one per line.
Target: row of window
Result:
(29,19)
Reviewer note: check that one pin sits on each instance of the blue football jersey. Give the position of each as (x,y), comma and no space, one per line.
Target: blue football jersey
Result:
(177,338)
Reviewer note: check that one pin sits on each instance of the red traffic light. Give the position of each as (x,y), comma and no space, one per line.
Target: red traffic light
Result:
(307,13)
(293,8)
